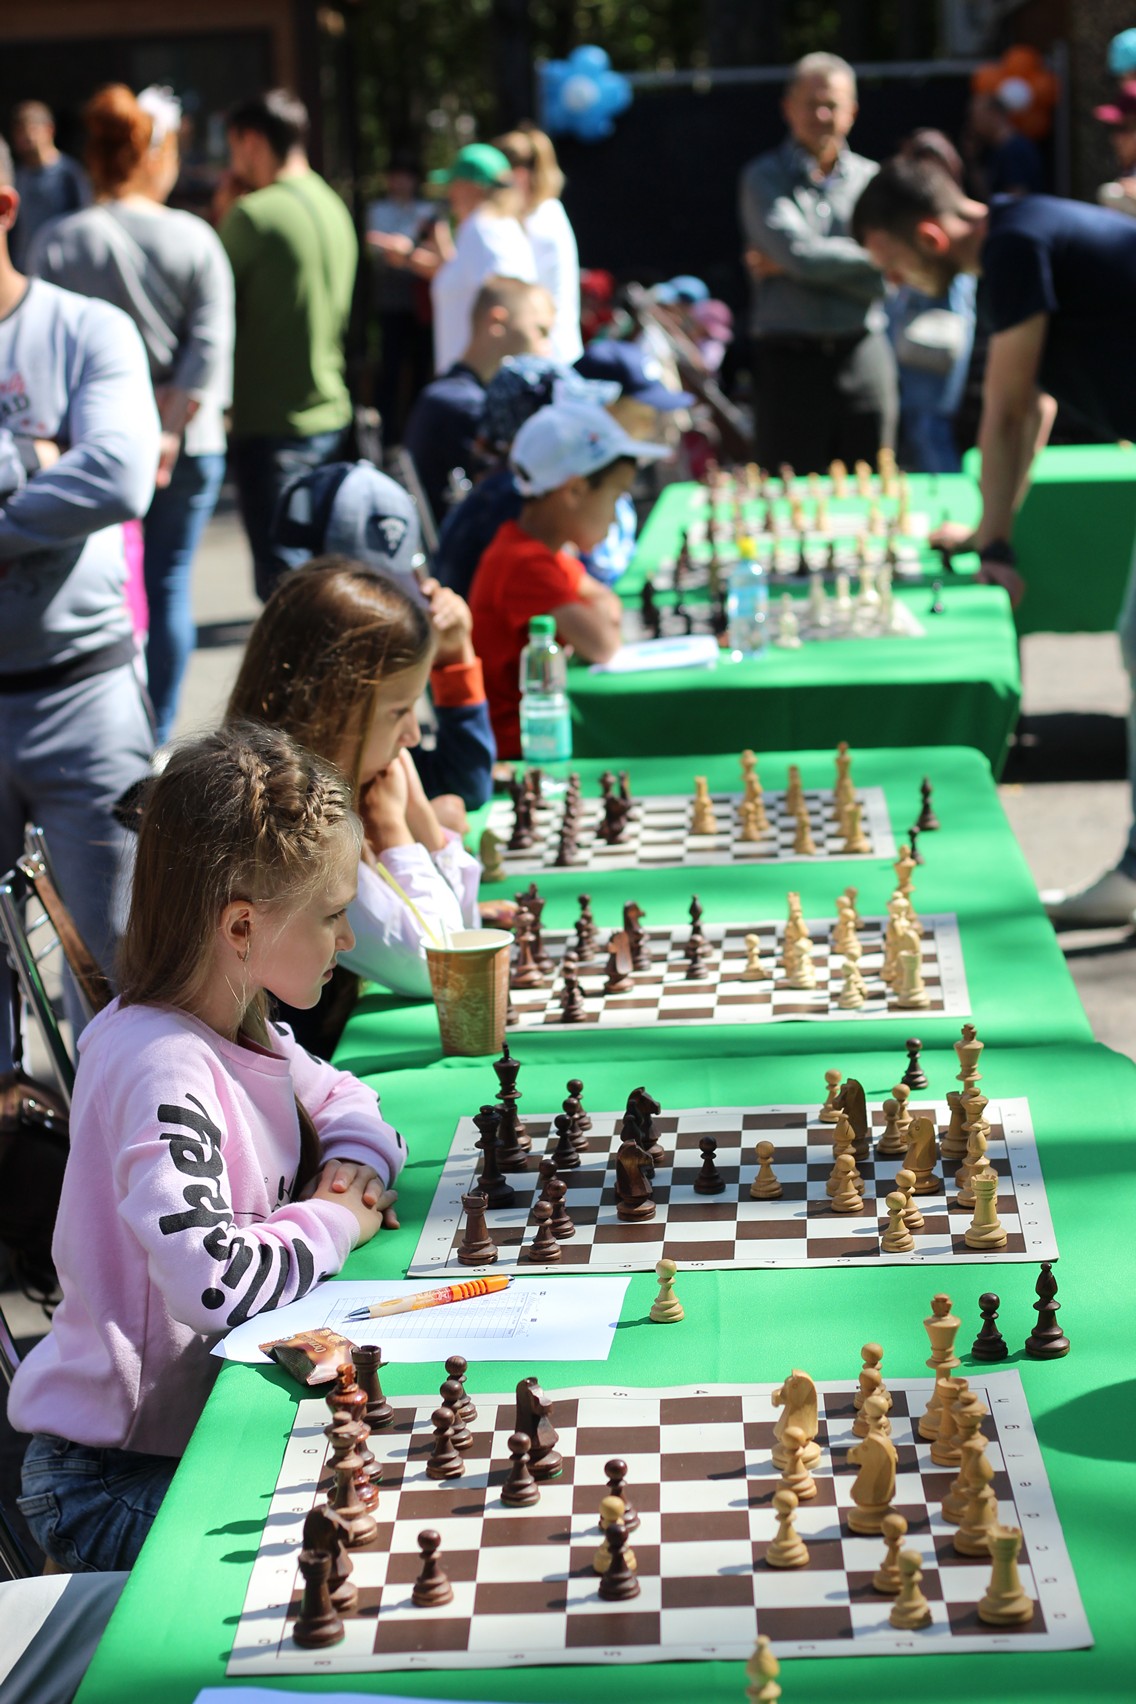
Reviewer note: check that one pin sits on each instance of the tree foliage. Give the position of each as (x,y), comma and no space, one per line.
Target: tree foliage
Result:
(432,74)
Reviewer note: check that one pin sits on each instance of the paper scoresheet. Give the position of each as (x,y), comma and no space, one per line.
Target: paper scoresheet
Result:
(553,1319)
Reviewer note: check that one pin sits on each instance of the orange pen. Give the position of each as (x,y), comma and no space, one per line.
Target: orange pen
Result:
(432,1298)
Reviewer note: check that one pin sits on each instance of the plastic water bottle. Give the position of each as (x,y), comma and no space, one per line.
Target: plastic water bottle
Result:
(747,601)
(546,722)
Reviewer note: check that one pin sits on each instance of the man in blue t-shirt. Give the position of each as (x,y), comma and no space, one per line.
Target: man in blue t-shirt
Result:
(1059,280)
(48,183)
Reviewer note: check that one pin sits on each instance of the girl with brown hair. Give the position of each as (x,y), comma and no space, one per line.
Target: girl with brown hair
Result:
(216,1168)
(338,658)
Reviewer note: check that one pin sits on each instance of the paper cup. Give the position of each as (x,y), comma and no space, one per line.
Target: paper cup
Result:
(470,980)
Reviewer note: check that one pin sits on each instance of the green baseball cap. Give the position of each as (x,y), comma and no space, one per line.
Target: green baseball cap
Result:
(480,163)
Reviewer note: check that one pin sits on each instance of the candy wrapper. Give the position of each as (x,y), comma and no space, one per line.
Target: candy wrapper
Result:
(311,1356)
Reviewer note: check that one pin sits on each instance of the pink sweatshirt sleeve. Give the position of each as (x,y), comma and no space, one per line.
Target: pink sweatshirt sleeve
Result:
(344,1111)
(181,1165)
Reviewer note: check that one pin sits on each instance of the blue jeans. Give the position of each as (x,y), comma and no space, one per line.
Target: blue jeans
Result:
(172,531)
(262,467)
(90,1509)
(66,756)
(928,441)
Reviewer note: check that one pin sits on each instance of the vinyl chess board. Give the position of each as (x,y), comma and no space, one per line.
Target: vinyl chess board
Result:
(730,1229)
(701,1478)
(662,995)
(658,837)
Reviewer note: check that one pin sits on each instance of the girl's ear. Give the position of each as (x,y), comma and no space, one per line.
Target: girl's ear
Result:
(235,927)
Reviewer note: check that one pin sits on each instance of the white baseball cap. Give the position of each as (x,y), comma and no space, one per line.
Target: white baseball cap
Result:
(566,440)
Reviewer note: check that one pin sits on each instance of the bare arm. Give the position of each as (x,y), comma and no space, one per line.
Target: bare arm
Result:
(1012,418)
(591,626)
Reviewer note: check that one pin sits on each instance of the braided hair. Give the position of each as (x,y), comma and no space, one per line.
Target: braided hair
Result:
(240,814)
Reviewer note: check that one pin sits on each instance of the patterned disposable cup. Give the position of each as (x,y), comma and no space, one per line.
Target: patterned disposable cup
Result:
(470,980)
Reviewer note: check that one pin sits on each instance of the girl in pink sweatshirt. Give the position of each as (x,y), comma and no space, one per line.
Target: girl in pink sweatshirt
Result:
(216,1169)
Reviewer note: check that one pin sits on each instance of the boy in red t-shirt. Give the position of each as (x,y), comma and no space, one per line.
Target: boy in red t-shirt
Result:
(571,461)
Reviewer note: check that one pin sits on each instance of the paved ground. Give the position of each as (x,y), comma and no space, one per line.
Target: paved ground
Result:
(1064,793)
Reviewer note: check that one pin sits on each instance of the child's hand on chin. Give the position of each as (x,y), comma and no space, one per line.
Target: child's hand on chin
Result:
(382,806)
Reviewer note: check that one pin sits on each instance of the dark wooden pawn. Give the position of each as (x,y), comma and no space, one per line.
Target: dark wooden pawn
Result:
(493,1184)
(460,1435)
(649,610)
(560,1225)
(525,972)
(544,1247)
(317,1624)
(618,1582)
(927,822)
(915,1077)
(913,843)
(575,1088)
(444,1462)
(1046,1342)
(456,1368)
(565,1156)
(432,1588)
(585,927)
(326,1530)
(521,835)
(520,1490)
(616,1471)
(367,1360)
(578,1120)
(989,1345)
(572,1008)
(709,1180)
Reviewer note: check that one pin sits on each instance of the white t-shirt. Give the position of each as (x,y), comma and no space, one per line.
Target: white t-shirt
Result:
(486,246)
(558,269)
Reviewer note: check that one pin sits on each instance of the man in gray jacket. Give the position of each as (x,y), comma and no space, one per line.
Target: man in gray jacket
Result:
(824,372)
(78,454)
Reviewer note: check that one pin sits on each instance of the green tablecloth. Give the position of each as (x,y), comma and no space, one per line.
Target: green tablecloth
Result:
(950,496)
(1074,536)
(174,1626)
(1021,991)
(959,685)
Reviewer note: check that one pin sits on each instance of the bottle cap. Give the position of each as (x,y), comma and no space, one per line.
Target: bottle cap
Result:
(542,626)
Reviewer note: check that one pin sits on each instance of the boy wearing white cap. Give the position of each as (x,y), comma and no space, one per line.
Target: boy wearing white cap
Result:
(571,462)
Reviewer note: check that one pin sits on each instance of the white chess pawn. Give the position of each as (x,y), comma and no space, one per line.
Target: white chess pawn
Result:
(818,604)
(788,628)
(842,607)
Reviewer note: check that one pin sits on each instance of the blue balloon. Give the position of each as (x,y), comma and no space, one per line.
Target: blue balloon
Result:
(1122,53)
(581,95)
